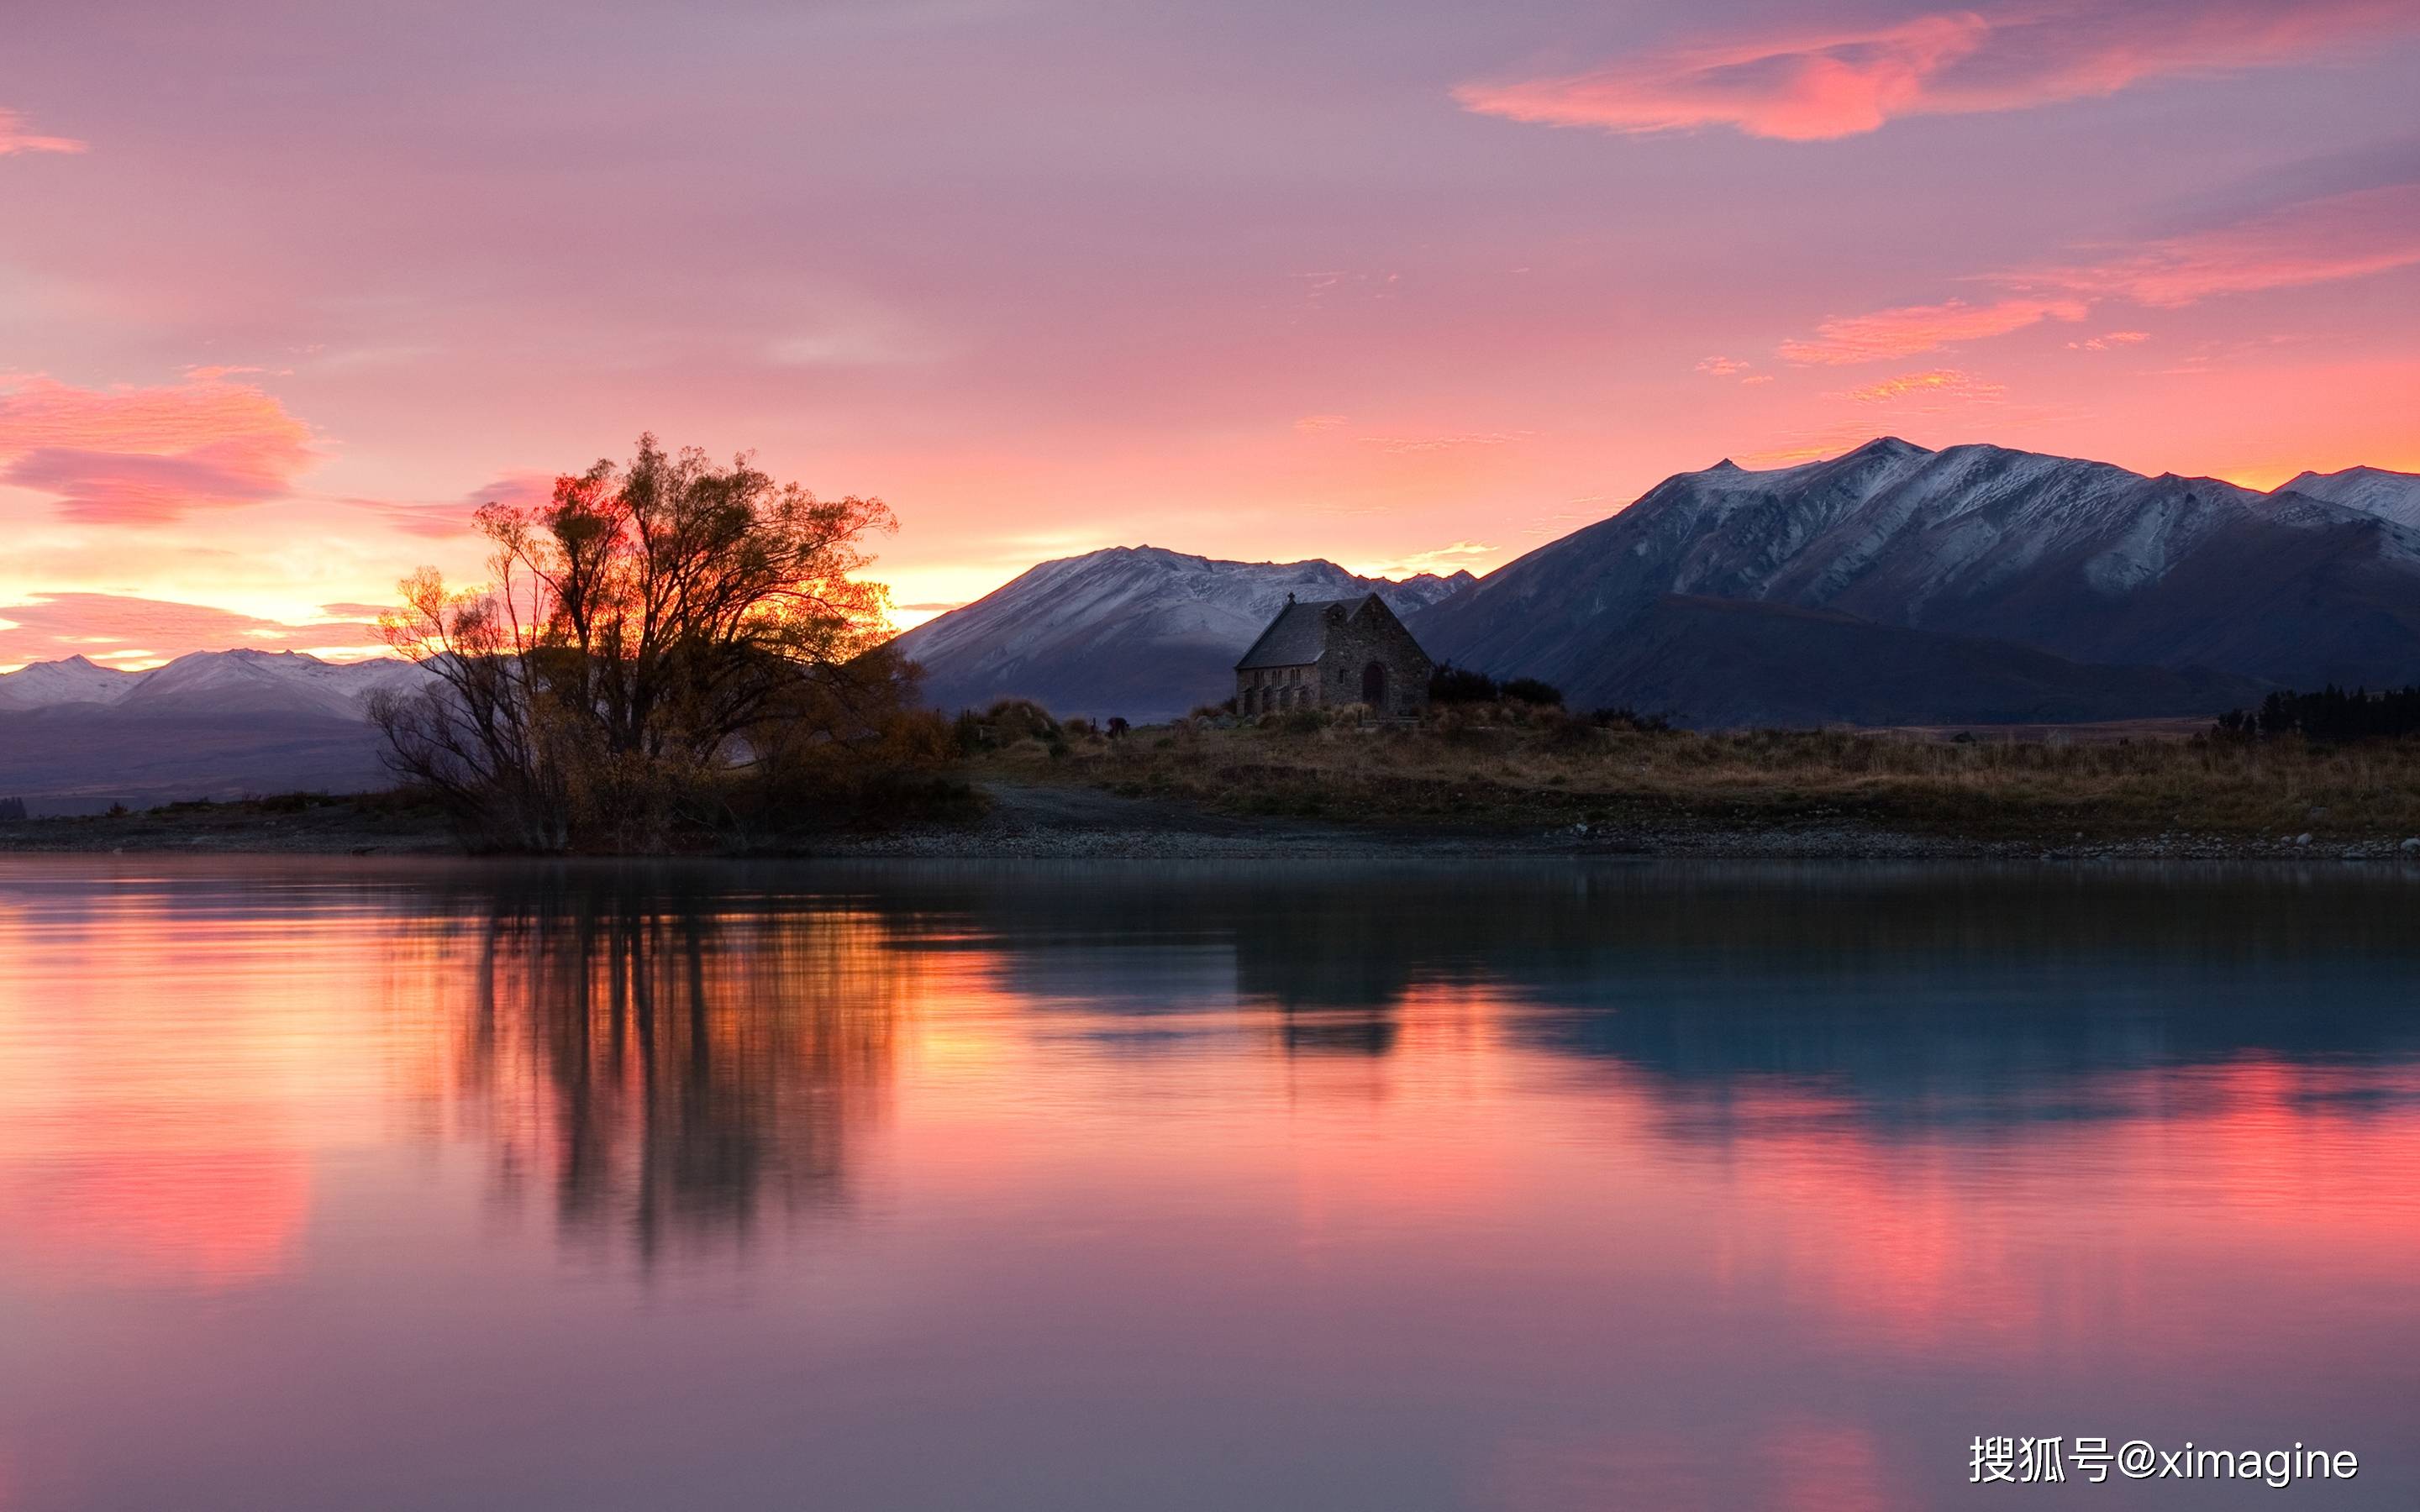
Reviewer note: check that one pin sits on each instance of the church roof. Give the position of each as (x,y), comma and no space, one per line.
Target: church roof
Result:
(1296,637)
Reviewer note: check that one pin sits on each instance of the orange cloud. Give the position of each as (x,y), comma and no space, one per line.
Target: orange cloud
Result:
(15,138)
(2109,340)
(148,456)
(1817,85)
(1910,329)
(1458,441)
(1936,389)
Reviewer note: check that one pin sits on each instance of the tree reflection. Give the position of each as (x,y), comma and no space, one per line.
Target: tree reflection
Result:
(674,1063)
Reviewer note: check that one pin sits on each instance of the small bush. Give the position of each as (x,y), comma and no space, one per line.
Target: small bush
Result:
(1573,734)
(1013,719)
(1450,683)
(1530,690)
(1625,718)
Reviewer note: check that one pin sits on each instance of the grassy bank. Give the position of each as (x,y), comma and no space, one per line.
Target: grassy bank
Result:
(1510,767)
(367,824)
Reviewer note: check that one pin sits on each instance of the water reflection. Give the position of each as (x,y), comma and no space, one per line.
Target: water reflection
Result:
(660,1059)
(1517,1186)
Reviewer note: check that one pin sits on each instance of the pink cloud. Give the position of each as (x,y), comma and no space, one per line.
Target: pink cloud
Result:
(15,138)
(48,626)
(147,456)
(444,520)
(2339,236)
(1910,329)
(1815,85)
(1722,366)
(2313,241)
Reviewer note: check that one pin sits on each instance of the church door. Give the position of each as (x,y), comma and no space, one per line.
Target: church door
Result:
(1374,687)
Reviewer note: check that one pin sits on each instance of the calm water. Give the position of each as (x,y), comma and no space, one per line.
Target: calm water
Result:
(342,1185)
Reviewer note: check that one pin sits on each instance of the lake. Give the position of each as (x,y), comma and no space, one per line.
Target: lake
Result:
(1129,1185)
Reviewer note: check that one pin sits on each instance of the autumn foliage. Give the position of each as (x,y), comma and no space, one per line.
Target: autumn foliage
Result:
(668,651)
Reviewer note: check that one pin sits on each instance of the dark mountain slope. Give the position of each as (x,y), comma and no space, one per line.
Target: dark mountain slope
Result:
(1718,663)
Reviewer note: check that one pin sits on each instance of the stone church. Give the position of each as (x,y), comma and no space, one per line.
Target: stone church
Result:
(1326,656)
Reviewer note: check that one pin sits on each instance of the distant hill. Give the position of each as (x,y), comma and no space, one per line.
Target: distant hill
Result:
(1136,631)
(76,737)
(2093,563)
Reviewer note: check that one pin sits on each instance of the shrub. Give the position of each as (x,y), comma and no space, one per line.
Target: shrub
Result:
(1530,690)
(1011,720)
(1625,718)
(2332,715)
(1450,683)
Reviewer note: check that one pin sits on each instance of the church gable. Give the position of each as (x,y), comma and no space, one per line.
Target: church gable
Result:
(1334,654)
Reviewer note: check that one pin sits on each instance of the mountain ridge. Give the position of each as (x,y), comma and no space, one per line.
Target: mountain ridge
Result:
(2394,496)
(2085,560)
(240,676)
(1144,632)
(76,736)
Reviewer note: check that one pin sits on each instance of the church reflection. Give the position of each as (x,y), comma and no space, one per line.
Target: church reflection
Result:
(1924,994)
(669,1054)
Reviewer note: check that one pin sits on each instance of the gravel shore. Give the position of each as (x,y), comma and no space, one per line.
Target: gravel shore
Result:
(1056,823)
(1040,822)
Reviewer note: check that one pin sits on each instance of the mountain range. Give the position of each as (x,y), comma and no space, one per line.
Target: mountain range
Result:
(1893,584)
(1890,585)
(2085,561)
(76,736)
(1136,631)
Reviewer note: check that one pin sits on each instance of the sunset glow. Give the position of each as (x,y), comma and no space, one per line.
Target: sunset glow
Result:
(1410,289)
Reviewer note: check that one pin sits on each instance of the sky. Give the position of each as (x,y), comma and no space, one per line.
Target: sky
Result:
(287,288)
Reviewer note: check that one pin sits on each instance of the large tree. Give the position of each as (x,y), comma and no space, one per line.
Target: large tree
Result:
(649,631)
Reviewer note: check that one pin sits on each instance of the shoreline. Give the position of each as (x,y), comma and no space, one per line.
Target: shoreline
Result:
(1046,822)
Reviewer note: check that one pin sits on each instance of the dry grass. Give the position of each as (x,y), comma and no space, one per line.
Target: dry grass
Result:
(1500,768)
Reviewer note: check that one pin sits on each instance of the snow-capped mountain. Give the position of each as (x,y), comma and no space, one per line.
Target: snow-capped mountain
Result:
(223,682)
(2086,561)
(1137,631)
(215,724)
(2394,496)
(75,680)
